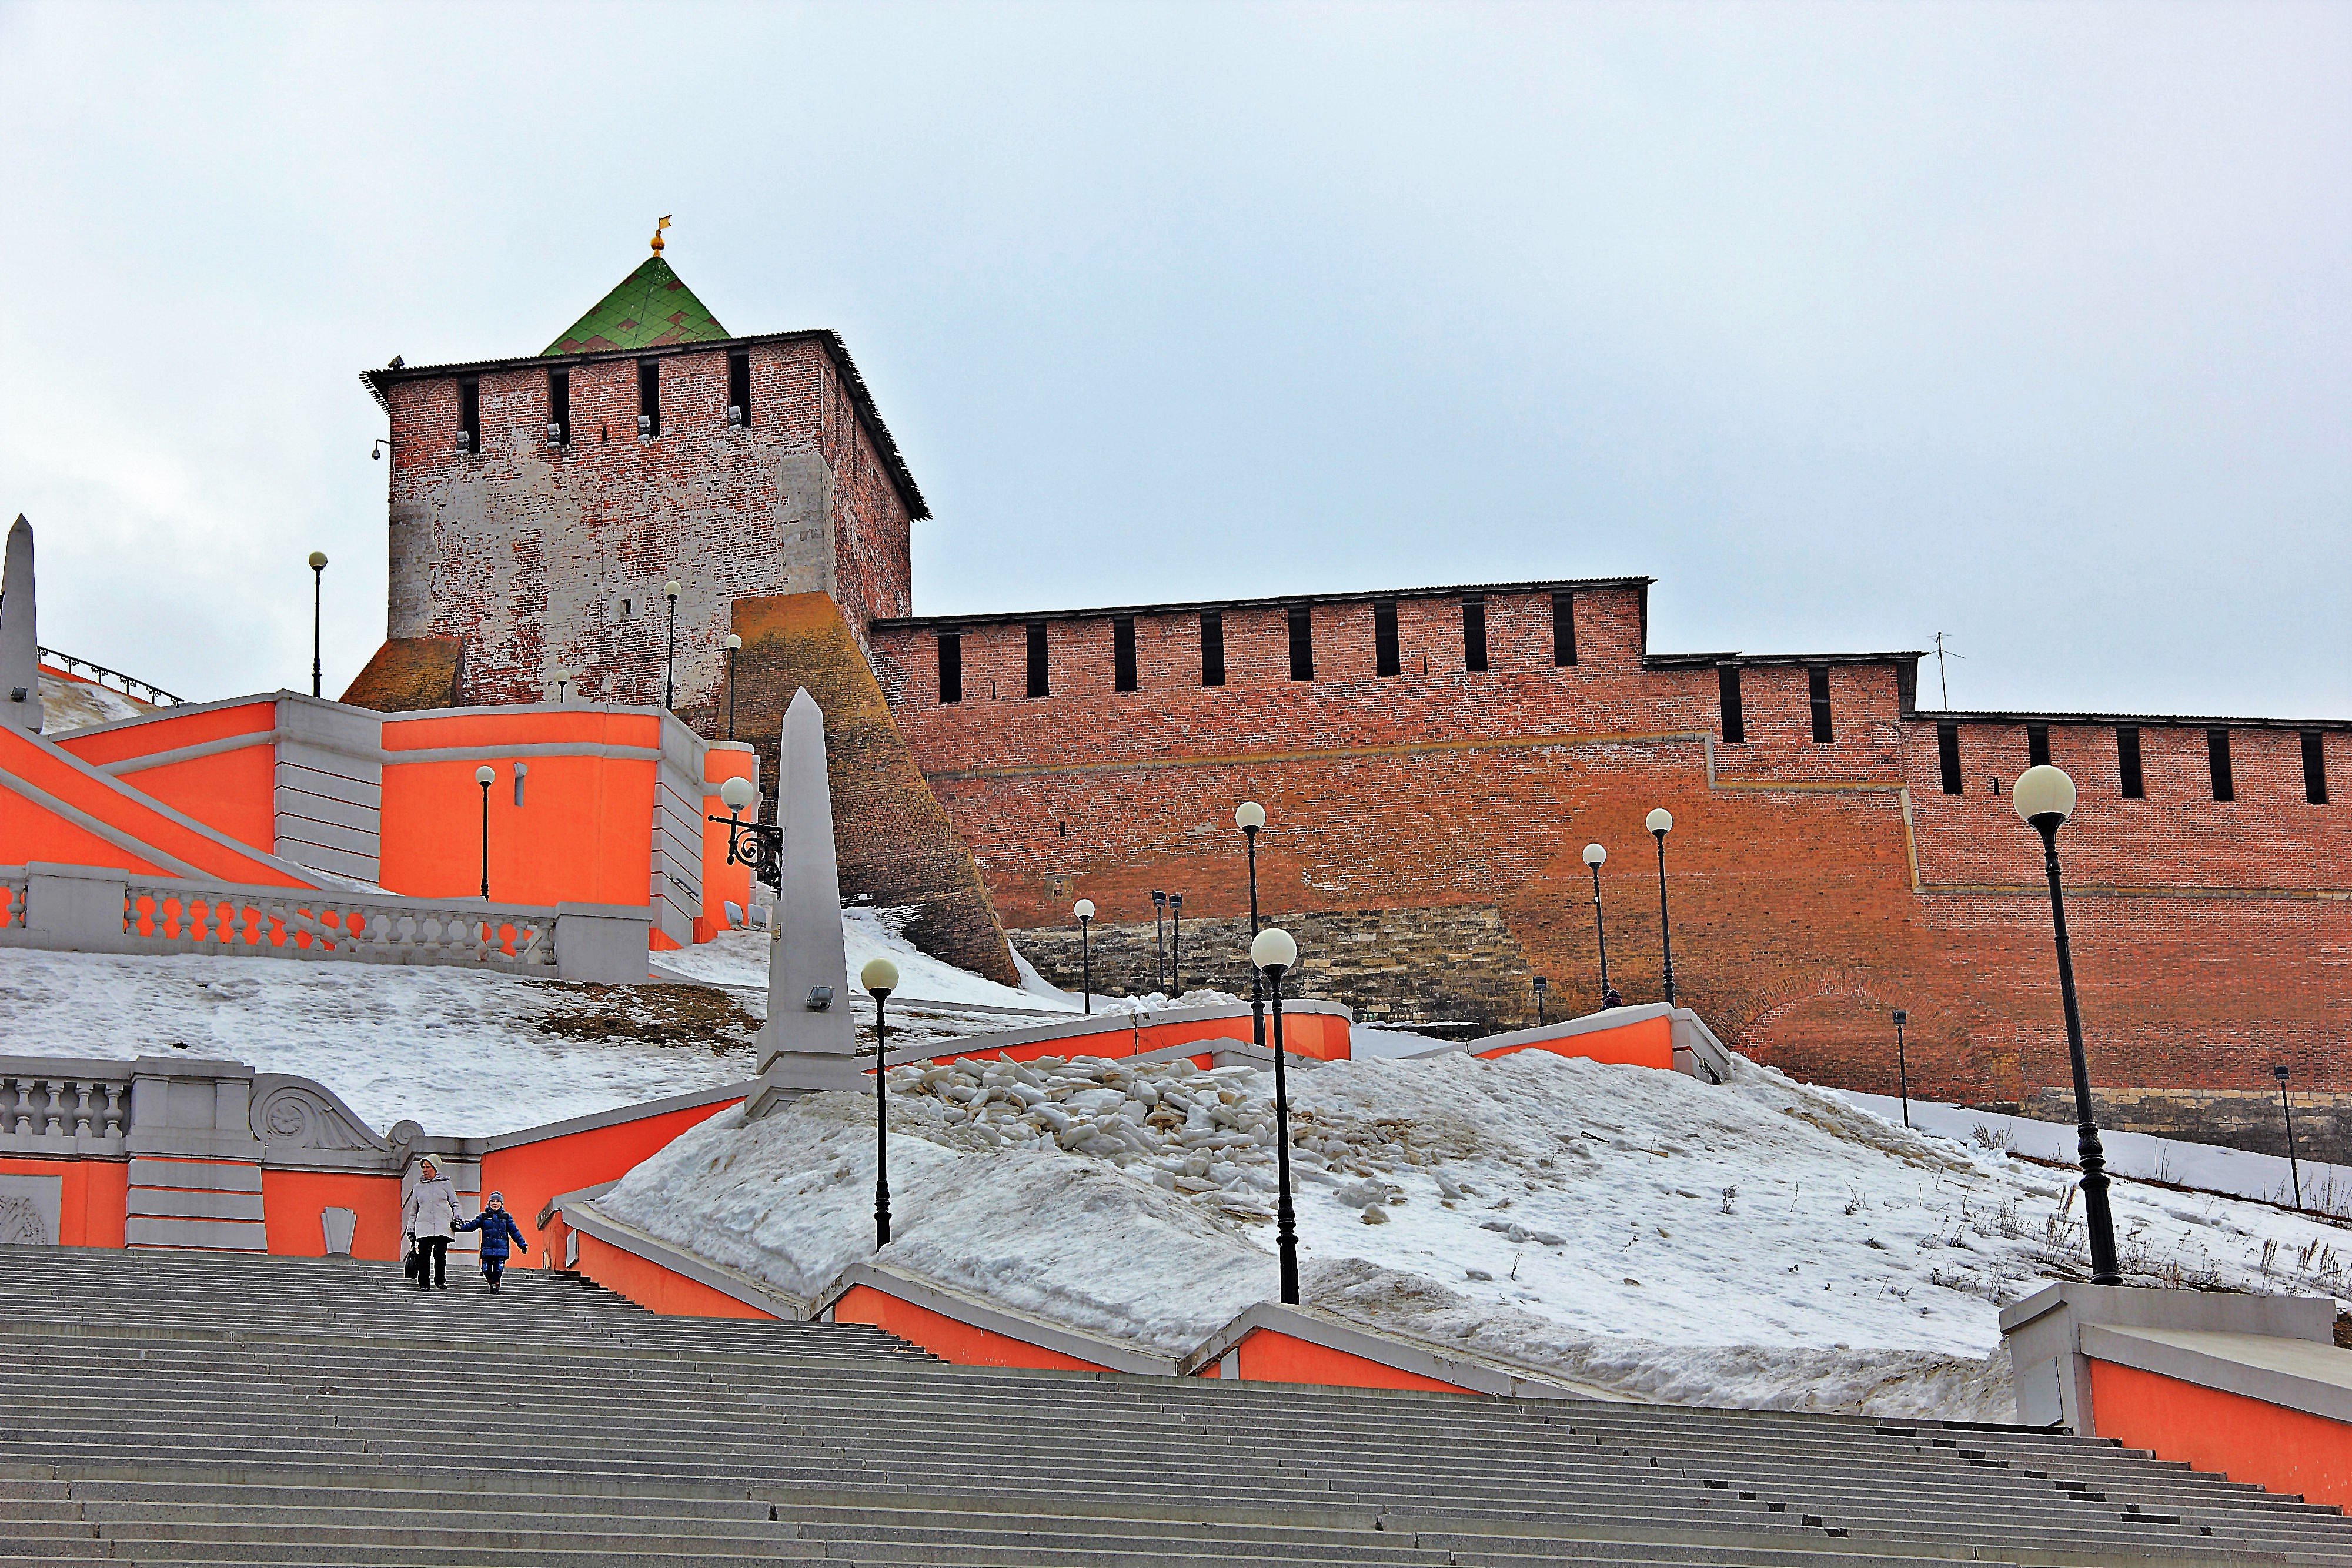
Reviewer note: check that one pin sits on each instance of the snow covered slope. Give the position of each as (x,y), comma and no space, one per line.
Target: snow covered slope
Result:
(1760,1243)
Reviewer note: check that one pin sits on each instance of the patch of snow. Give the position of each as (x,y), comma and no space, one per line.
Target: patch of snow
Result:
(460,1050)
(741,958)
(1759,1243)
(2326,1188)
(79,704)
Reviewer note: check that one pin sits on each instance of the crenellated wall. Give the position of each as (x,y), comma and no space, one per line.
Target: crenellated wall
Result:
(1814,885)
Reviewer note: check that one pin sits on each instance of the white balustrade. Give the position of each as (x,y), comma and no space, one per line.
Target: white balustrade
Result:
(180,916)
(62,1106)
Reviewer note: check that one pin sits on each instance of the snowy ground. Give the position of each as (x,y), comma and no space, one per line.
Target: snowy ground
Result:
(2208,1168)
(78,705)
(465,1053)
(1759,1243)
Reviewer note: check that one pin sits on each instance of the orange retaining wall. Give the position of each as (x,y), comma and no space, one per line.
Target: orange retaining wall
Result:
(33,832)
(655,1288)
(1649,1043)
(583,834)
(2245,1439)
(291,1202)
(959,1344)
(233,792)
(528,1175)
(91,1204)
(1323,1036)
(1267,1355)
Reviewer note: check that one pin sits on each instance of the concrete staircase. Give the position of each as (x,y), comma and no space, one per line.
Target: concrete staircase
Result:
(194,1410)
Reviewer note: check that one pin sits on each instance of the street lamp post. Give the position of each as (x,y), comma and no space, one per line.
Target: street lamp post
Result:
(1540,985)
(1271,953)
(2293,1171)
(1175,944)
(1159,940)
(1595,856)
(669,680)
(1902,1070)
(1249,817)
(563,678)
(1661,822)
(483,776)
(2044,796)
(760,845)
(1086,913)
(318,591)
(880,977)
(734,646)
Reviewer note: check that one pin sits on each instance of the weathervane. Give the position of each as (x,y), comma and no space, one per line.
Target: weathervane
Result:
(660,224)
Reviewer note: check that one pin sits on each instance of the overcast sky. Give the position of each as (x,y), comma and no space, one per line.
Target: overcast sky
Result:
(1849,324)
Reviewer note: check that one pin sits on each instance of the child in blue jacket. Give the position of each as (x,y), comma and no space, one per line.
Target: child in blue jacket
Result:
(497,1228)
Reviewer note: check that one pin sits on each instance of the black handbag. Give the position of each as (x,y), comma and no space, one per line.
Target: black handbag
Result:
(416,1262)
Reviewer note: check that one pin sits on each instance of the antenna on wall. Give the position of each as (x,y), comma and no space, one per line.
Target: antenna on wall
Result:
(1942,682)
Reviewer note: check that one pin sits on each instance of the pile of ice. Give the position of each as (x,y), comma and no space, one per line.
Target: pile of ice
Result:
(1760,1243)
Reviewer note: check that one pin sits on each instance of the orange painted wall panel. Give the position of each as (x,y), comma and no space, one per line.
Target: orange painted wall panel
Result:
(29,832)
(583,833)
(1323,1036)
(528,1175)
(1649,1043)
(1269,1356)
(169,731)
(655,1288)
(960,1343)
(291,1201)
(91,1202)
(2245,1439)
(233,792)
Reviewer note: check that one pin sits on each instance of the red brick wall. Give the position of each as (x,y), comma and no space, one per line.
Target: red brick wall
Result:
(2203,941)
(528,554)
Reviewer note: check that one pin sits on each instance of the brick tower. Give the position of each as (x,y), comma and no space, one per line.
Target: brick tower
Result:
(540,505)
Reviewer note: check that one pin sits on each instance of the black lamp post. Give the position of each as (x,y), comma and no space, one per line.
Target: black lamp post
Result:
(880,977)
(669,680)
(760,845)
(1175,945)
(1249,816)
(1086,913)
(1661,822)
(563,678)
(1274,952)
(1541,984)
(2293,1171)
(1902,1070)
(1595,857)
(318,591)
(734,646)
(1159,940)
(483,776)
(2044,796)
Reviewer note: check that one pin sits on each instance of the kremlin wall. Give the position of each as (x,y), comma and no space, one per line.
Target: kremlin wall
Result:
(1433,761)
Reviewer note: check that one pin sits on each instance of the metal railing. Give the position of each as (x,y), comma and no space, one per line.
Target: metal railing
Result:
(129,686)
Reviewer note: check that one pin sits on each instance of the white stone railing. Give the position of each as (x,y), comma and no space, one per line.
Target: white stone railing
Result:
(172,914)
(93,909)
(63,1107)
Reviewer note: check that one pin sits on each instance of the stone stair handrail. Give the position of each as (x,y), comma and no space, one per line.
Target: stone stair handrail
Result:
(93,909)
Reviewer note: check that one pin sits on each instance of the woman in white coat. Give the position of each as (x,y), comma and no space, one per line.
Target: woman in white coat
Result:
(429,1219)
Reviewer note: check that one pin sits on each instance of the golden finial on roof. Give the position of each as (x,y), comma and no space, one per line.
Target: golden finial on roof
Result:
(660,225)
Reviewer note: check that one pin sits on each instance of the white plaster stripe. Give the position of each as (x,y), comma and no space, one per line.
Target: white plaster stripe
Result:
(190,753)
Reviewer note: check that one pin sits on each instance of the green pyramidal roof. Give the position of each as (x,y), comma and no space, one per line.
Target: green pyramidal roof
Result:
(652,308)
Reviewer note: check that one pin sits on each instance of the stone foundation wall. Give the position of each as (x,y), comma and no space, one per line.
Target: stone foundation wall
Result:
(2238,1119)
(1454,965)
